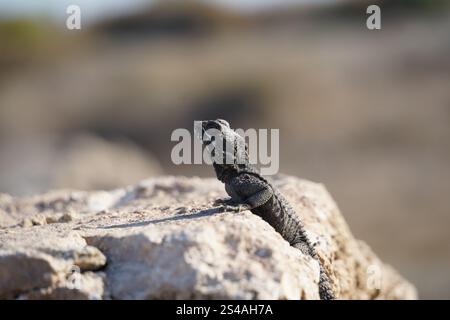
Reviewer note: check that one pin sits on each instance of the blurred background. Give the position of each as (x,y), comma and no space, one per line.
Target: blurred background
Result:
(367,113)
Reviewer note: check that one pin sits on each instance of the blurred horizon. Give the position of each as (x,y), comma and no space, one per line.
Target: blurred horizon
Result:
(98,10)
(364,112)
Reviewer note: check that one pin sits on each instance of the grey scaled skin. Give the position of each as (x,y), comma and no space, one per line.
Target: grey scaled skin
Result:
(250,191)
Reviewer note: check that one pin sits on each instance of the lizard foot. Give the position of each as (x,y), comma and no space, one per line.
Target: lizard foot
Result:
(236,207)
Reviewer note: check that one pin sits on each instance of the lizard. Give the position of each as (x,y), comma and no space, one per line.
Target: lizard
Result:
(248,190)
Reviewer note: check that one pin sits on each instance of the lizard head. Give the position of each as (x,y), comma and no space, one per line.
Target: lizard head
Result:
(215,130)
(227,148)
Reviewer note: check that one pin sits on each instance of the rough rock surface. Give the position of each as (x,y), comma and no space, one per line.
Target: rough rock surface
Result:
(162,239)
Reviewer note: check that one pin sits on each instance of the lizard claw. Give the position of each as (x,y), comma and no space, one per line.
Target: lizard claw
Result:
(237,208)
(229,205)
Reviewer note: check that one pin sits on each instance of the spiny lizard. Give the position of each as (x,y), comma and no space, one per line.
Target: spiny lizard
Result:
(250,191)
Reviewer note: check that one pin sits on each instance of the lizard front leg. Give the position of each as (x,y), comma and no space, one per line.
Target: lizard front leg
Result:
(255,200)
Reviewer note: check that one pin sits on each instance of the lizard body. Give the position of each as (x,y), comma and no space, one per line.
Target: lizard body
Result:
(250,191)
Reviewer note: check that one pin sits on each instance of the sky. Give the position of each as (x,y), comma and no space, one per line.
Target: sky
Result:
(93,10)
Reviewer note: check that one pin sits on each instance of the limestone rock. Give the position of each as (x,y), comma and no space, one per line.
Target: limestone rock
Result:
(162,239)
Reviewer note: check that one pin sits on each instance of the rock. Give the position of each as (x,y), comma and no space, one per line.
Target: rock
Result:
(80,287)
(161,239)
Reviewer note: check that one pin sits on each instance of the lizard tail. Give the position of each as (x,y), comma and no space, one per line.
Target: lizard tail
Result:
(325,290)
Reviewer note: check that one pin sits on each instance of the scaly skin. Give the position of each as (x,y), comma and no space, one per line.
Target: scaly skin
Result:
(250,191)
